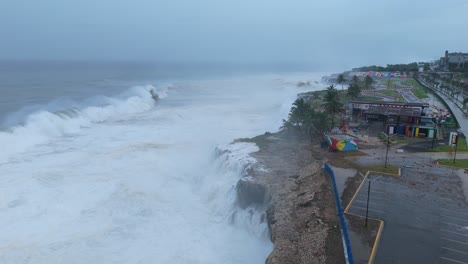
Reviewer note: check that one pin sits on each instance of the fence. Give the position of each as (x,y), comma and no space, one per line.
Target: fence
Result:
(344,229)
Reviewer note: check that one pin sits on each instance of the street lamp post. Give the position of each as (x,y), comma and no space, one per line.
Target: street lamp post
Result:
(367,208)
(386,152)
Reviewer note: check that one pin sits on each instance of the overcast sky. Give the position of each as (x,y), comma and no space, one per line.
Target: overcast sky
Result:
(328,33)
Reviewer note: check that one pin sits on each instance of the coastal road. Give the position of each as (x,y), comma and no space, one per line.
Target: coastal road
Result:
(462,119)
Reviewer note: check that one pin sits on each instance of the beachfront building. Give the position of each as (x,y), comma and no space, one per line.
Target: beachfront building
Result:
(406,119)
(454,60)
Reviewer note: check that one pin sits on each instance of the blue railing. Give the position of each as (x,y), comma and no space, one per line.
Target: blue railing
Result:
(344,229)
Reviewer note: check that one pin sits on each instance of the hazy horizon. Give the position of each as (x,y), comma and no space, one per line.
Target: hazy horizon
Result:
(328,35)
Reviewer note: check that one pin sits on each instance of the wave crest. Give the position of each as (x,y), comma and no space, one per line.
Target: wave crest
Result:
(41,126)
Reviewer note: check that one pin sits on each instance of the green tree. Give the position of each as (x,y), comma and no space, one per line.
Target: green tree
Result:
(368,81)
(298,113)
(426,67)
(465,101)
(355,80)
(304,119)
(354,91)
(332,104)
(341,80)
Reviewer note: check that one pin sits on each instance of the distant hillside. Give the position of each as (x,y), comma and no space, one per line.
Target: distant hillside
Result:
(390,67)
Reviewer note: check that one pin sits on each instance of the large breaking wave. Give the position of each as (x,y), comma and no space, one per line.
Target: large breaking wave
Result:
(54,120)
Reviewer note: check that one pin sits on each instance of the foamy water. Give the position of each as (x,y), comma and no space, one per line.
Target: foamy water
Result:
(123,179)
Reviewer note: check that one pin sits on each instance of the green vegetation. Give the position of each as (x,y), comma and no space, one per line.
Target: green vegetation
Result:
(391,82)
(354,90)
(392,169)
(420,92)
(446,148)
(368,81)
(333,104)
(459,163)
(393,93)
(341,80)
(355,153)
(411,82)
(390,92)
(261,140)
(391,67)
(370,98)
(313,117)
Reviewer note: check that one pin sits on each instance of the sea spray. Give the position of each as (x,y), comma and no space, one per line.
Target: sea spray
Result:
(41,126)
(234,160)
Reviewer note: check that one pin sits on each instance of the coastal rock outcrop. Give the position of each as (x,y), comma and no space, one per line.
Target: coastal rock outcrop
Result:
(301,213)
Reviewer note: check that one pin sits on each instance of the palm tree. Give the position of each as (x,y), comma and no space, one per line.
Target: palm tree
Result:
(354,91)
(368,81)
(298,114)
(341,80)
(465,101)
(332,103)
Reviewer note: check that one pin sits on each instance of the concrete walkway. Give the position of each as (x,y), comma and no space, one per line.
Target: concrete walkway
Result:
(462,119)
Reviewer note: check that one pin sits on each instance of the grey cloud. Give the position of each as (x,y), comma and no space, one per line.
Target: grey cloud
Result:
(336,32)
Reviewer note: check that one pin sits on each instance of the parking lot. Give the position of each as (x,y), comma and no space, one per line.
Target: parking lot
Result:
(425,215)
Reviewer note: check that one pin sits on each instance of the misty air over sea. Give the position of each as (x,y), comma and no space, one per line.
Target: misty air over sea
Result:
(93,170)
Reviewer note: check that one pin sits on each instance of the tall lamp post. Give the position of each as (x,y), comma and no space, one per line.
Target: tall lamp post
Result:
(386,152)
(434,135)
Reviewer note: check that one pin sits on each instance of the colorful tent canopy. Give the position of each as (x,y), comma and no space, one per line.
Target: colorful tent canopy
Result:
(341,144)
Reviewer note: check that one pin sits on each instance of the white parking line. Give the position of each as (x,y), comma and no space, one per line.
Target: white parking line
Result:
(453,211)
(456,233)
(466,220)
(456,261)
(452,224)
(455,241)
(365,202)
(362,208)
(454,250)
(375,197)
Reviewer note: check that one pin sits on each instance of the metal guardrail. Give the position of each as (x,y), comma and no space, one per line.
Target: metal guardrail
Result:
(344,228)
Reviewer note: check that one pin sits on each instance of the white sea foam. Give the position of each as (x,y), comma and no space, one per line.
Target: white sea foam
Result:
(42,126)
(122,181)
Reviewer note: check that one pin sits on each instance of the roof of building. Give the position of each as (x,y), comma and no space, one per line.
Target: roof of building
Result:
(456,59)
(394,104)
(403,111)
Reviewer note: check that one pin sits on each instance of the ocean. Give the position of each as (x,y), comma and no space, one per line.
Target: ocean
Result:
(93,170)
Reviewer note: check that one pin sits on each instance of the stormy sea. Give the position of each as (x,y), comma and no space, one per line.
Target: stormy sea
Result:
(94,170)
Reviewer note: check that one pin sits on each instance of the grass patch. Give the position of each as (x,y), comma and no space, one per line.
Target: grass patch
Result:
(390,82)
(410,82)
(355,153)
(459,163)
(370,98)
(392,169)
(389,92)
(393,93)
(419,90)
(446,148)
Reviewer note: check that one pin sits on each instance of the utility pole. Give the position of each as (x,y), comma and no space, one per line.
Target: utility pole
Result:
(453,142)
(456,145)
(367,208)
(386,152)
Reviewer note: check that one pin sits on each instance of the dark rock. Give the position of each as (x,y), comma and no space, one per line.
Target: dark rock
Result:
(251,193)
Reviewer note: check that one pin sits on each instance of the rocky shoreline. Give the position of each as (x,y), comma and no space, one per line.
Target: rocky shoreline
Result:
(297,195)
